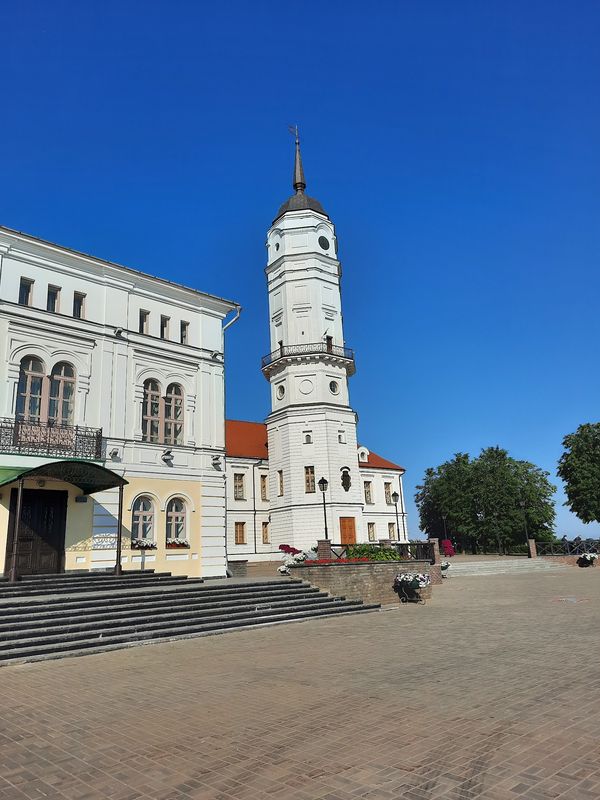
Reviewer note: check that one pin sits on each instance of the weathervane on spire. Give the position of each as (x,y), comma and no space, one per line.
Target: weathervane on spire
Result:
(299,181)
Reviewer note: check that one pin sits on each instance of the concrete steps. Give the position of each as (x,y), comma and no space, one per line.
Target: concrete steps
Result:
(75,615)
(500,566)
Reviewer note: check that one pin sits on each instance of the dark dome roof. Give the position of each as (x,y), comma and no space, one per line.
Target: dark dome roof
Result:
(301,202)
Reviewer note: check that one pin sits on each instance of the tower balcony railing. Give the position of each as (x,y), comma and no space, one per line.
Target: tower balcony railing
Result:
(315,348)
(34,438)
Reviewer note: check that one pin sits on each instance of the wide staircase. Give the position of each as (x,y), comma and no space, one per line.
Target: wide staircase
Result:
(514,565)
(45,617)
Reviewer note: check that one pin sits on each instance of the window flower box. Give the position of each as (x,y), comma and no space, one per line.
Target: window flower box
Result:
(177,544)
(143,544)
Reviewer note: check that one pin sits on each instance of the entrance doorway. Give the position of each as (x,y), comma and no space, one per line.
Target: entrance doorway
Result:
(348,530)
(41,544)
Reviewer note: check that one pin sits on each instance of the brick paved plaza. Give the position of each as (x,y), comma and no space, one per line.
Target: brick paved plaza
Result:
(488,691)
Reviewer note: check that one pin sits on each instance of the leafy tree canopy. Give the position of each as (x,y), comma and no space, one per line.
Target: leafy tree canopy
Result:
(579,468)
(492,500)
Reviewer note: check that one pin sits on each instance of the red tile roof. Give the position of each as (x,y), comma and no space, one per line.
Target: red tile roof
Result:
(377,462)
(249,440)
(246,439)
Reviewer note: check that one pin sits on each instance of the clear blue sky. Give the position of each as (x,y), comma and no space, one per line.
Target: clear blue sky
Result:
(455,145)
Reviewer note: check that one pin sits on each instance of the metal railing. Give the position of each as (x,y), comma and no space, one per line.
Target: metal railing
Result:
(405,551)
(306,350)
(28,437)
(567,548)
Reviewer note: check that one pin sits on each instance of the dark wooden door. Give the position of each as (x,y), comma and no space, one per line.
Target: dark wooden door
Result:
(41,544)
(347,530)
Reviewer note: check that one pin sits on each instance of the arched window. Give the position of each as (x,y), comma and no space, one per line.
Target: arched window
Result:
(151,412)
(174,414)
(176,520)
(32,391)
(62,394)
(142,523)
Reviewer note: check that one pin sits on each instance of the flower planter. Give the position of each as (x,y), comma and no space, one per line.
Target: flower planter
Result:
(143,545)
(178,547)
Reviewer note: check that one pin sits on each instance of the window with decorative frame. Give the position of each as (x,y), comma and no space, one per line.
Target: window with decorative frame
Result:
(240,532)
(368,493)
(280,482)
(392,530)
(173,414)
(266,537)
(42,398)
(162,417)
(61,405)
(176,520)
(309,480)
(142,522)
(25,292)
(151,412)
(53,299)
(238,486)
(32,391)
(387,489)
(264,487)
(79,305)
(371,531)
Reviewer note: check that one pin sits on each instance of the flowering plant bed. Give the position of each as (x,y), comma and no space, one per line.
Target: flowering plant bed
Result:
(587,559)
(339,561)
(142,544)
(177,544)
(408,586)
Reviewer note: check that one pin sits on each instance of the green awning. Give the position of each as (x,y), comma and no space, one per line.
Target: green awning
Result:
(86,475)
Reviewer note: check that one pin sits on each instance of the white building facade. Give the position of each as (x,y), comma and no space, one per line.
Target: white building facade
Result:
(311,430)
(103,365)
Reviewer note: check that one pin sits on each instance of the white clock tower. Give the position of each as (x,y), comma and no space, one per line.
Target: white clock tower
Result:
(311,428)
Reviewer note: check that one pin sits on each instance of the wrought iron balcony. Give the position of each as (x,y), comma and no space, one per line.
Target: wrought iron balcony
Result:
(313,349)
(50,439)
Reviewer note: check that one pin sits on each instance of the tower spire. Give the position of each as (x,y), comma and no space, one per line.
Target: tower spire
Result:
(299,181)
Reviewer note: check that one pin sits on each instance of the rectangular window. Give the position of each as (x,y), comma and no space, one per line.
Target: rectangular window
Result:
(144,321)
(183,332)
(368,493)
(264,483)
(240,533)
(79,305)
(341,437)
(238,486)
(309,480)
(280,481)
(371,531)
(53,299)
(164,327)
(387,488)
(25,292)
(392,530)
(265,533)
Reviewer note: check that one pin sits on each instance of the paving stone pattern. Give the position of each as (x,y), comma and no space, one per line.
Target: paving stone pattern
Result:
(491,690)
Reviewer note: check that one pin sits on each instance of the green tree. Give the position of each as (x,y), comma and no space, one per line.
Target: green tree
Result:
(579,468)
(493,501)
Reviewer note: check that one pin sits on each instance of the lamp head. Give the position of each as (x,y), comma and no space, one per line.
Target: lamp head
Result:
(323,484)
(395,498)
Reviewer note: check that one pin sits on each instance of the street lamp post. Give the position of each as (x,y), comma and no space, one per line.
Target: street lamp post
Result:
(395,498)
(323,484)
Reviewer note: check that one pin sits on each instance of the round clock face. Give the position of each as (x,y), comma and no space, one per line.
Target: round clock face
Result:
(334,387)
(323,243)
(280,391)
